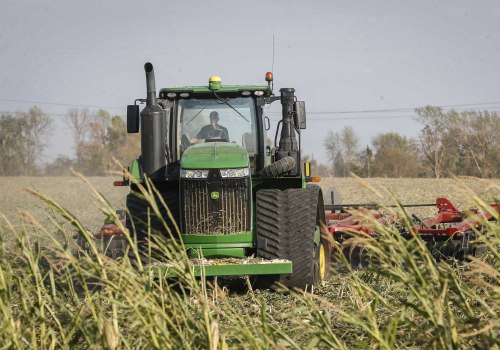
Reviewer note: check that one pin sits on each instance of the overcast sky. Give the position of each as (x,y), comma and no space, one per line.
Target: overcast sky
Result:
(340,56)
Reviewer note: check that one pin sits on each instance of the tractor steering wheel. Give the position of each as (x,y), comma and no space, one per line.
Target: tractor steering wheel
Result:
(214,134)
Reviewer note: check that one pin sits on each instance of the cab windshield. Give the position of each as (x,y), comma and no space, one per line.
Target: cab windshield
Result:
(211,120)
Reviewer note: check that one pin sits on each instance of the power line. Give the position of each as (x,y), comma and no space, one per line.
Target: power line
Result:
(371,117)
(57,104)
(66,114)
(387,110)
(407,109)
(363,118)
(368,118)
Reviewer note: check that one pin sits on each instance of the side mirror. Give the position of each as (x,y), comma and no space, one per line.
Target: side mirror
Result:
(299,118)
(132,119)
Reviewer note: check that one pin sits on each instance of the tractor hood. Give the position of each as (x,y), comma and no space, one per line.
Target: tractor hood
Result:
(214,155)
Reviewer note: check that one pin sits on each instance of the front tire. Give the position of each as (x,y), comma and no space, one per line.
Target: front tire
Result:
(323,261)
(143,223)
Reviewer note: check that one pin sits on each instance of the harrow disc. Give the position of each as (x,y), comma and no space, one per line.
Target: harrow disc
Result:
(458,248)
(356,255)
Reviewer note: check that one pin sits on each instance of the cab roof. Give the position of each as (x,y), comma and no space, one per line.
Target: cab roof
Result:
(224,89)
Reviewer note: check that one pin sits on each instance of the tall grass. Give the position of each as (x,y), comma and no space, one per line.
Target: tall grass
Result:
(52,296)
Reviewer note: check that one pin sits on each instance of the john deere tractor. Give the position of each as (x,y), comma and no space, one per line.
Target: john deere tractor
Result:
(236,201)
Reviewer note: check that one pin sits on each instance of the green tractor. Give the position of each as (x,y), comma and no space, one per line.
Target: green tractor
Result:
(242,207)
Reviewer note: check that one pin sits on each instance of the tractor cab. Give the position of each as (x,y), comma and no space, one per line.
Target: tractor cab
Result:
(183,117)
(229,114)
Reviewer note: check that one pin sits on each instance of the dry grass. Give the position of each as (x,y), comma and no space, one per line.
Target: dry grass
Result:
(49,299)
(70,192)
(411,191)
(74,195)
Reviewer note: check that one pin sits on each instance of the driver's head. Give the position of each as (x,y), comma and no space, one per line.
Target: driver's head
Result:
(214,118)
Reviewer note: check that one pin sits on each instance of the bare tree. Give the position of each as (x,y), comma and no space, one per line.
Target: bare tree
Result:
(37,128)
(479,136)
(98,139)
(120,145)
(89,134)
(11,145)
(334,150)
(343,150)
(79,123)
(23,137)
(350,143)
(366,158)
(435,139)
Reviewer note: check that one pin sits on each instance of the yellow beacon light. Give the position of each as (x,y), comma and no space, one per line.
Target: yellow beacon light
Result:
(215,82)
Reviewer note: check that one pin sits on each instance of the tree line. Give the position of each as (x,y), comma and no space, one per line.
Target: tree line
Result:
(450,143)
(23,138)
(99,140)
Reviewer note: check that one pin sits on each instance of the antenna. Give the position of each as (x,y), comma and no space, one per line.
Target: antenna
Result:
(272,69)
(272,66)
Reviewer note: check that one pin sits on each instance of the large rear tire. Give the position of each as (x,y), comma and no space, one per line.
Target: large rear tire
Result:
(286,226)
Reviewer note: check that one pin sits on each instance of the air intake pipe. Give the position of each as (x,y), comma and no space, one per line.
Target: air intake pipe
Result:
(153,131)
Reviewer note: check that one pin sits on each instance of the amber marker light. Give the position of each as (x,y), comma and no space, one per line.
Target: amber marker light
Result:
(315,179)
(269,76)
(307,169)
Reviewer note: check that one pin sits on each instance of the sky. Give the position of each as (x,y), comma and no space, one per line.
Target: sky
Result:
(365,64)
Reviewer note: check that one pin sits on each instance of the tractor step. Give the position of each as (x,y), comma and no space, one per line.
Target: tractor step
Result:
(226,267)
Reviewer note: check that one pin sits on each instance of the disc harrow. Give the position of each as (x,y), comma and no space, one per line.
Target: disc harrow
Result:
(451,233)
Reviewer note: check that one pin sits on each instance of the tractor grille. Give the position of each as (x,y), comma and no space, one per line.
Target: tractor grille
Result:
(227,214)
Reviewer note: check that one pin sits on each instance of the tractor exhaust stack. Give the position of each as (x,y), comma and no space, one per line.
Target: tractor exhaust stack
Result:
(153,131)
(288,145)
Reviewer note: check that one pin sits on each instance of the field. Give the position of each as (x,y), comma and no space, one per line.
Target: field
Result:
(75,196)
(49,299)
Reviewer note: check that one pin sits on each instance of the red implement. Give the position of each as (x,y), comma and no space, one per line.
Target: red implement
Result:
(450,221)
(348,223)
(451,232)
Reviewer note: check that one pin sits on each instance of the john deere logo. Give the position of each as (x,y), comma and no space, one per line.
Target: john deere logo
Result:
(214,195)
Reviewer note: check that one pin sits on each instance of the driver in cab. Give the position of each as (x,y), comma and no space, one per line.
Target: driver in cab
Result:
(212,131)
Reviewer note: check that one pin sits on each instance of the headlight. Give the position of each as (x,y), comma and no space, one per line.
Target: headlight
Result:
(240,172)
(194,174)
